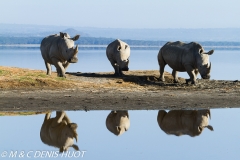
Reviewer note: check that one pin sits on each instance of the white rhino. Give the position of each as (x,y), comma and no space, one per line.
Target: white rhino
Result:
(59,131)
(184,122)
(118,53)
(58,50)
(118,122)
(183,57)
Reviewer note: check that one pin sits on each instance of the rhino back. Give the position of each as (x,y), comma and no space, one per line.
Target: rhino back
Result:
(178,54)
(46,45)
(50,133)
(50,48)
(179,122)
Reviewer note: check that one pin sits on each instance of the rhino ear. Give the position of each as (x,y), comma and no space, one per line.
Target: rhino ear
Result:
(75,37)
(210,52)
(61,35)
(210,127)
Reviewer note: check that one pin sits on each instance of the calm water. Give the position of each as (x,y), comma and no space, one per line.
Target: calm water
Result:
(144,139)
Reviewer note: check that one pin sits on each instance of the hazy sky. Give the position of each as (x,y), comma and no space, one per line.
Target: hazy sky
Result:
(123,13)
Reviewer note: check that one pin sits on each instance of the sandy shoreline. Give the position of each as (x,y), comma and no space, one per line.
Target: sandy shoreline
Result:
(137,90)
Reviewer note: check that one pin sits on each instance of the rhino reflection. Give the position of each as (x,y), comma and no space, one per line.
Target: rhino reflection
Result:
(118,122)
(59,131)
(184,122)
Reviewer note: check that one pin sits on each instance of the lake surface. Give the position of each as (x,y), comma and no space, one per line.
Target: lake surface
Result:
(144,139)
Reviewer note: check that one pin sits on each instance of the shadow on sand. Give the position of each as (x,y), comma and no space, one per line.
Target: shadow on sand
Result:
(138,77)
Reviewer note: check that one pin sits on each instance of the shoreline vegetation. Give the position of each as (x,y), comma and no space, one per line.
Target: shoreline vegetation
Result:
(101,43)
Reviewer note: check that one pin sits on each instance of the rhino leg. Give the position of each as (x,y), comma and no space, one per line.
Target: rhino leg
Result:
(174,74)
(191,73)
(49,69)
(47,116)
(58,72)
(59,67)
(196,72)
(162,65)
(116,68)
(60,115)
(66,65)
(120,72)
(161,78)
(66,119)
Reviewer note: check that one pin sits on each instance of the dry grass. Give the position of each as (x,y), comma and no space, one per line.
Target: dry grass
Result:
(18,78)
(20,113)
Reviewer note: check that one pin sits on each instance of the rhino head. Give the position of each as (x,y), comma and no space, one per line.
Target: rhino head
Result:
(203,65)
(124,65)
(124,57)
(67,47)
(118,122)
(68,135)
(202,120)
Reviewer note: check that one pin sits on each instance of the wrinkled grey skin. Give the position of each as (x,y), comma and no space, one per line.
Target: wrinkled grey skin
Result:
(184,122)
(183,57)
(118,122)
(59,131)
(118,53)
(58,50)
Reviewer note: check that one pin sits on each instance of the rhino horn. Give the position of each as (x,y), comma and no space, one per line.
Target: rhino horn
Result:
(76,49)
(209,113)
(76,136)
(209,68)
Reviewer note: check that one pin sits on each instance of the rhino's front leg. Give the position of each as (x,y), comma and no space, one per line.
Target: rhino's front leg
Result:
(120,71)
(175,76)
(59,67)
(49,69)
(66,65)
(196,72)
(47,116)
(66,119)
(191,73)
(116,68)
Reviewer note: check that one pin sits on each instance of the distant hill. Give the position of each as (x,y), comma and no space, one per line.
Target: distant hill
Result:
(22,30)
(177,34)
(72,32)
